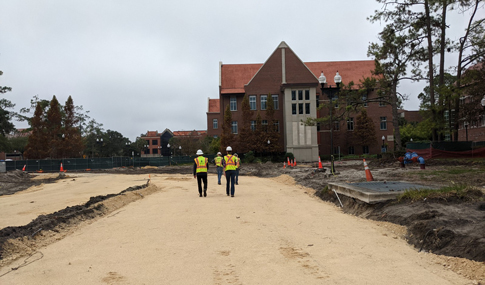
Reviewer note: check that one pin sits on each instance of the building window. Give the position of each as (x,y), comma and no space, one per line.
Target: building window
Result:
(382,103)
(300,95)
(383,123)
(307,94)
(365,149)
(275,102)
(293,109)
(215,124)
(253,126)
(300,108)
(276,126)
(264,98)
(364,100)
(336,126)
(307,108)
(350,124)
(234,127)
(233,104)
(147,151)
(446,115)
(154,142)
(351,150)
(447,137)
(293,95)
(264,124)
(252,102)
(155,151)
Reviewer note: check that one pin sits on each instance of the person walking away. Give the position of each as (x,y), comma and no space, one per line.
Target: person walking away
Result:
(229,163)
(201,166)
(218,162)
(238,164)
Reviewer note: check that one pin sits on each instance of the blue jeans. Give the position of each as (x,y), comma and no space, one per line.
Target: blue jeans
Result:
(237,175)
(219,174)
(230,179)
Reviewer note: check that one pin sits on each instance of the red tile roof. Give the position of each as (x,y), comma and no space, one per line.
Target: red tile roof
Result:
(189,133)
(214,106)
(235,76)
(349,70)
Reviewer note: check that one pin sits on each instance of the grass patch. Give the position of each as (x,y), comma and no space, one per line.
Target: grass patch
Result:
(458,191)
(447,172)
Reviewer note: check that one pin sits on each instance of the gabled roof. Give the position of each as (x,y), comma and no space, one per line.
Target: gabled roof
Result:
(234,77)
(214,106)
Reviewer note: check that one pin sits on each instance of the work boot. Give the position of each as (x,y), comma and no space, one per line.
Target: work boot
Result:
(205,193)
(200,194)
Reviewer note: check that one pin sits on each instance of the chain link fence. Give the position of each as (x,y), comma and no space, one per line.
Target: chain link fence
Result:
(80,164)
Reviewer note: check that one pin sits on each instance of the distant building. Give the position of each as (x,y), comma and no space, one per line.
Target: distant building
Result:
(295,89)
(158,143)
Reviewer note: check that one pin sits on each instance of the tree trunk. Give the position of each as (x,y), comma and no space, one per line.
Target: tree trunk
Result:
(430,67)
(395,116)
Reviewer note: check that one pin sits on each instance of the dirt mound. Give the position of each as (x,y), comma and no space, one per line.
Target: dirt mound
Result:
(17,180)
(45,229)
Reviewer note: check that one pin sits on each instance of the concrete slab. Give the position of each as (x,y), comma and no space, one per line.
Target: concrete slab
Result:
(375,191)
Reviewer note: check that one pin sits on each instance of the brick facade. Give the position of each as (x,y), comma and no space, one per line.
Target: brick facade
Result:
(284,74)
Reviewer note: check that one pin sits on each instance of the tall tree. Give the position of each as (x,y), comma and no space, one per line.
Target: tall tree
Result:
(72,144)
(53,127)
(6,126)
(227,137)
(471,50)
(245,133)
(38,145)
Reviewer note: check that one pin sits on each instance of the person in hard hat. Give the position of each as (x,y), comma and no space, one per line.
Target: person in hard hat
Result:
(218,162)
(201,166)
(229,163)
(238,164)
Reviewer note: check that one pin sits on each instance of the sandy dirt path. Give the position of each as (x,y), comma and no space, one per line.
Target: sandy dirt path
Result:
(272,232)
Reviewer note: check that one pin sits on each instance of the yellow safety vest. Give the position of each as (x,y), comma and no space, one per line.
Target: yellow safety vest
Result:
(230,162)
(201,163)
(218,160)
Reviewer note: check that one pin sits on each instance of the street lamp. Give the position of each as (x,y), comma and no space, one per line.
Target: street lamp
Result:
(483,102)
(323,80)
(160,150)
(383,147)
(180,148)
(169,153)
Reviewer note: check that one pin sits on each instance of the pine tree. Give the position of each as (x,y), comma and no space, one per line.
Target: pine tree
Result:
(37,146)
(245,133)
(54,128)
(72,144)
(364,132)
(227,137)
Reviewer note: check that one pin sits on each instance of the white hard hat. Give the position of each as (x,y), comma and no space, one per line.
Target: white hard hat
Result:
(199,152)
(229,148)
(235,154)
(219,153)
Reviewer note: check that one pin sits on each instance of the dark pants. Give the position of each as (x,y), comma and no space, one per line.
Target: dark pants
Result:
(202,177)
(230,179)
(219,174)
(237,175)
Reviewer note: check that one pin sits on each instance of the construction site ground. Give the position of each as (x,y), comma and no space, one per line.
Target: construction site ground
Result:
(282,227)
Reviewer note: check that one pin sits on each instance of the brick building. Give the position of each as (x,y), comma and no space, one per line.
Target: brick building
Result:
(295,89)
(158,143)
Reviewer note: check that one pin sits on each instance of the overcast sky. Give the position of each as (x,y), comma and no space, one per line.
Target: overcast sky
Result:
(151,64)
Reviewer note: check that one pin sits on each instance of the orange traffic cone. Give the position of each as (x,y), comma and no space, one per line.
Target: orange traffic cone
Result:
(294,162)
(284,165)
(289,163)
(368,175)
(319,163)
(62,169)
(23,169)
